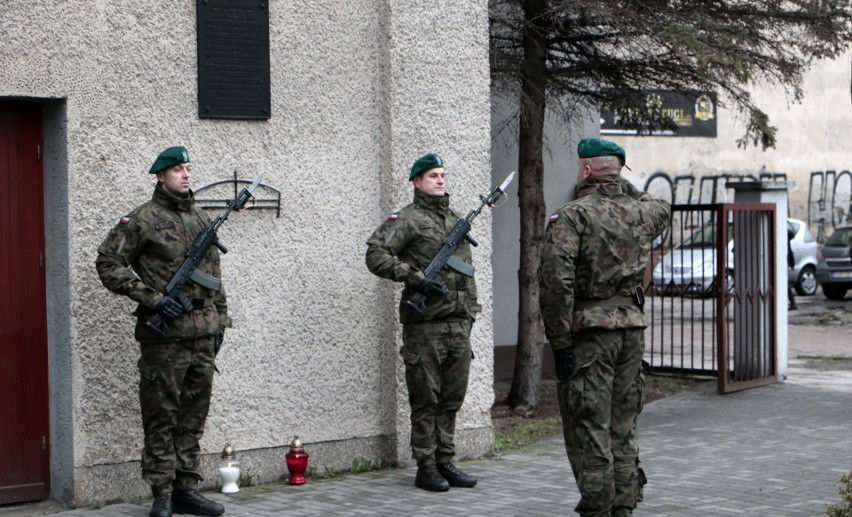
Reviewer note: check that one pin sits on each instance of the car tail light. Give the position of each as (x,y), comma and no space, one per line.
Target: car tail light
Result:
(820,256)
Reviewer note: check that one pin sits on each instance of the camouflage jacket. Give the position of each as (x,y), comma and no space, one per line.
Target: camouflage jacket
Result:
(153,240)
(597,247)
(402,247)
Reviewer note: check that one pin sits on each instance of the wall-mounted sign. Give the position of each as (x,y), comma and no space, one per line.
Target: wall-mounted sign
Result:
(692,114)
(233,59)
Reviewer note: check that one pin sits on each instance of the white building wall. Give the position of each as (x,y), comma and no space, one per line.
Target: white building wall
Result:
(560,178)
(359,90)
(812,136)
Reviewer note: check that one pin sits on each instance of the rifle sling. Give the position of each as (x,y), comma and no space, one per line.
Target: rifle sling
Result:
(200,303)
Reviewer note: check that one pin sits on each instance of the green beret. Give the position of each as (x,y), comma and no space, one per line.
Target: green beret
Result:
(169,158)
(591,147)
(425,163)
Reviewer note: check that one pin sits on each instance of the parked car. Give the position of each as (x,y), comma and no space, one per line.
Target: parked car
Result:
(834,269)
(690,267)
(805,251)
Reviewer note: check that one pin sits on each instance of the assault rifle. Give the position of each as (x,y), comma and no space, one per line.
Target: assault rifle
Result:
(189,271)
(445,257)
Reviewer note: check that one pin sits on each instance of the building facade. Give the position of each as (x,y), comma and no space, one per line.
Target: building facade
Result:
(811,138)
(90,92)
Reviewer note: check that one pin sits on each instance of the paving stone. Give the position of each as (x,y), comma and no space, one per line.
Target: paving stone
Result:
(777,451)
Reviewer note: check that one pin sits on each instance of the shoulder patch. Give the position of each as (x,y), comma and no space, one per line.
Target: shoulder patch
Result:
(553,218)
(393,217)
(124,220)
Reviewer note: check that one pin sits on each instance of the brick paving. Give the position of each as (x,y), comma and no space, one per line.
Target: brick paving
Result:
(774,451)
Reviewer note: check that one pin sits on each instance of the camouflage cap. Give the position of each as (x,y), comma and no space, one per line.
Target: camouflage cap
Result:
(425,163)
(591,147)
(169,158)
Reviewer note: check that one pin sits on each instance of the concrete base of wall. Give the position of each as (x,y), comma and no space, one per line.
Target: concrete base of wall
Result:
(122,482)
(107,484)
(474,443)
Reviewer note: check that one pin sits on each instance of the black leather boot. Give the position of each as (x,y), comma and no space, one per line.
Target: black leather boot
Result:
(162,506)
(455,477)
(429,479)
(191,502)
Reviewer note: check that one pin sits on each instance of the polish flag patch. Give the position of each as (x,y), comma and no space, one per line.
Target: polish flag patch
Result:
(553,218)
(124,220)
(393,217)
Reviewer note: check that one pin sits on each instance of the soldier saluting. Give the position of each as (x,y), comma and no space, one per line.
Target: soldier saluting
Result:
(592,266)
(436,348)
(137,259)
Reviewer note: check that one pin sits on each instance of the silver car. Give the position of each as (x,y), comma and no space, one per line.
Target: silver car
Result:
(690,267)
(805,250)
(834,270)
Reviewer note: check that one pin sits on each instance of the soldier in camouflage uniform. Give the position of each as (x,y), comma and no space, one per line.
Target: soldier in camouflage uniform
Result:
(137,260)
(594,259)
(436,348)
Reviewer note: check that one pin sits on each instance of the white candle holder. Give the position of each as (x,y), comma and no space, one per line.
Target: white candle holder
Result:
(229,471)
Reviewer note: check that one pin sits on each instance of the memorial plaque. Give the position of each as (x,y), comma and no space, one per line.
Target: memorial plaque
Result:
(233,59)
(693,114)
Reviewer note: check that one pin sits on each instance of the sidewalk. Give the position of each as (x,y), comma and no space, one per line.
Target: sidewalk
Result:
(772,451)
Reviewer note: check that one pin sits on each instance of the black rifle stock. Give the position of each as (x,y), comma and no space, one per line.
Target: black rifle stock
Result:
(189,271)
(460,231)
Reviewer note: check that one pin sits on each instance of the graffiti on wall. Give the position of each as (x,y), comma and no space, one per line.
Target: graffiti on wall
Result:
(829,202)
(829,194)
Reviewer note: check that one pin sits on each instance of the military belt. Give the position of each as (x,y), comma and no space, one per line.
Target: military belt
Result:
(612,301)
(200,303)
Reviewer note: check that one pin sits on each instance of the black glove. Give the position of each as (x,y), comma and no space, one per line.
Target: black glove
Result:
(169,308)
(218,338)
(563,360)
(436,286)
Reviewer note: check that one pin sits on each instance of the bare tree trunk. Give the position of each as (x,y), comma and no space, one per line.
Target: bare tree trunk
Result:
(524,394)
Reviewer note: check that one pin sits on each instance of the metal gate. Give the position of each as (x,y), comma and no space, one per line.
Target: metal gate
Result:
(711,295)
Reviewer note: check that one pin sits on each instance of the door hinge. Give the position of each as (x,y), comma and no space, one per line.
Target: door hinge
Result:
(43,443)
(40,260)
(38,152)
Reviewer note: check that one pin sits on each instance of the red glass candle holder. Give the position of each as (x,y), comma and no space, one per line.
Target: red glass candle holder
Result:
(297,462)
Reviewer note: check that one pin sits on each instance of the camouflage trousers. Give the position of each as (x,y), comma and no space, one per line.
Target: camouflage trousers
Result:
(600,404)
(175,384)
(437,359)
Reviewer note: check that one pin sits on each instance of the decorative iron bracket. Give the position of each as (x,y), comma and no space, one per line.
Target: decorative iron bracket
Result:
(270,199)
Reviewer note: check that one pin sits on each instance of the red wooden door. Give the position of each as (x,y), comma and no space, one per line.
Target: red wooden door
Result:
(24,424)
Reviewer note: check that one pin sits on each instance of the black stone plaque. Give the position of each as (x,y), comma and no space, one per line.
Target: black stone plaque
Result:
(233,59)
(693,114)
